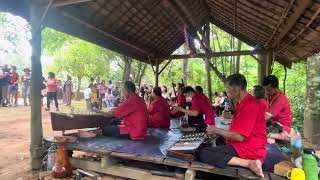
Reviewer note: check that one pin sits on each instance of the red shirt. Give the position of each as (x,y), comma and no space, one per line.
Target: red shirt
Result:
(14,78)
(249,121)
(279,107)
(159,113)
(182,102)
(263,103)
(52,84)
(133,112)
(202,104)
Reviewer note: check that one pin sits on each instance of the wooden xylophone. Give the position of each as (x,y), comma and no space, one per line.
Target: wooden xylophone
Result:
(68,121)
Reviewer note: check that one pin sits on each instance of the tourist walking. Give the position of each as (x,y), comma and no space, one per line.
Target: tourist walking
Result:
(26,83)
(67,91)
(14,86)
(52,88)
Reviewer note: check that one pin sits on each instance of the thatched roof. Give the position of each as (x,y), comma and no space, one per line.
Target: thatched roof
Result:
(147,29)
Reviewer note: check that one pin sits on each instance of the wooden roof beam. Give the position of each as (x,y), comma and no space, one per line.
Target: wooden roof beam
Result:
(60,3)
(107,35)
(301,7)
(214,54)
(282,18)
(313,18)
(181,15)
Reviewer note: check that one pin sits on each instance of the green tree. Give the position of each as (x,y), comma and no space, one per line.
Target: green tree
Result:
(82,59)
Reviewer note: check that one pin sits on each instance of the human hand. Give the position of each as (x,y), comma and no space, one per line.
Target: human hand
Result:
(176,108)
(212,131)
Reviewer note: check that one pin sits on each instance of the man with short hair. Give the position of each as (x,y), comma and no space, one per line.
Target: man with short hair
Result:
(245,142)
(278,112)
(133,112)
(200,108)
(159,110)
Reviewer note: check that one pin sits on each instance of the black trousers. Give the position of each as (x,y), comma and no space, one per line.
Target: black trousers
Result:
(52,96)
(112,129)
(218,156)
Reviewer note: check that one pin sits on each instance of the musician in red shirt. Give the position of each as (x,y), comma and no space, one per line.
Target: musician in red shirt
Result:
(133,113)
(181,101)
(246,140)
(278,111)
(14,86)
(200,108)
(159,111)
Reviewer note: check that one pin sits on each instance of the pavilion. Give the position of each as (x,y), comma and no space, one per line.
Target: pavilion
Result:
(286,31)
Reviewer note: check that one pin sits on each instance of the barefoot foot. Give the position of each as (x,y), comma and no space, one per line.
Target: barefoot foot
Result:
(256,167)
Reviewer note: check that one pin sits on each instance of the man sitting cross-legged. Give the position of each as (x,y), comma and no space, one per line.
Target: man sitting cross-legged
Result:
(132,112)
(245,142)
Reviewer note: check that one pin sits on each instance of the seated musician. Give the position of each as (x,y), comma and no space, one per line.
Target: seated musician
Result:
(245,142)
(159,110)
(200,108)
(278,113)
(181,101)
(133,112)
(259,94)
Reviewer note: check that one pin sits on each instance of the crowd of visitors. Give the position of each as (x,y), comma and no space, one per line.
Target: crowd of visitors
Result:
(100,94)
(13,85)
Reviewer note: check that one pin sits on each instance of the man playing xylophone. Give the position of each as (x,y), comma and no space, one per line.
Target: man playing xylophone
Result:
(133,113)
(245,142)
(278,113)
(201,109)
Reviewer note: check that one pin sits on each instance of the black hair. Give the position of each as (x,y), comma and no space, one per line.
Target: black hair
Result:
(258,92)
(165,89)
(92,79)
(272,80)
(225,93)
(199,89)
(237,80)
(216,93)
(129,86)
(110,82)
(51,74)
(180,86)
(188,89)
(157,91)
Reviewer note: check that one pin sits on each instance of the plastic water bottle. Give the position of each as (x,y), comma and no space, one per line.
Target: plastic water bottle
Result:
(51,156)
(296,145)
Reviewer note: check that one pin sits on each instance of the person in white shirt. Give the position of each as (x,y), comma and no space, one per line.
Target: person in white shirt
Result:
(87,97)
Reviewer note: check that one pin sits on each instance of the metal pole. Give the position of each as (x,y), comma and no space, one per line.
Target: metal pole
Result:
(36,79)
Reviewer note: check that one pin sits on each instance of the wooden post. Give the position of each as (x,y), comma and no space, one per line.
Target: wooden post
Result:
(207,60)
(311,123)
(36,79)
(261,68)
(208,79)
(269,62)
(156,74)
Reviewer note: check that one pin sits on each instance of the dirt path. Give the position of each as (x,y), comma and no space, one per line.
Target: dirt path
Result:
(15,142)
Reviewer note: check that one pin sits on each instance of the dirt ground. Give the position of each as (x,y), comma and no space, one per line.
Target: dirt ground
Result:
(15,140)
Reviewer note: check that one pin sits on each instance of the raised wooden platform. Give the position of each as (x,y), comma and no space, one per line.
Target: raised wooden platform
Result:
(111,163)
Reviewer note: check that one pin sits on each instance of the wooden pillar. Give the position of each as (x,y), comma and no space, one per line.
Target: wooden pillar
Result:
(207,60)
(156,74)
(36,79)
(208,78)
(269,62)
(311,124)
(261,68)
